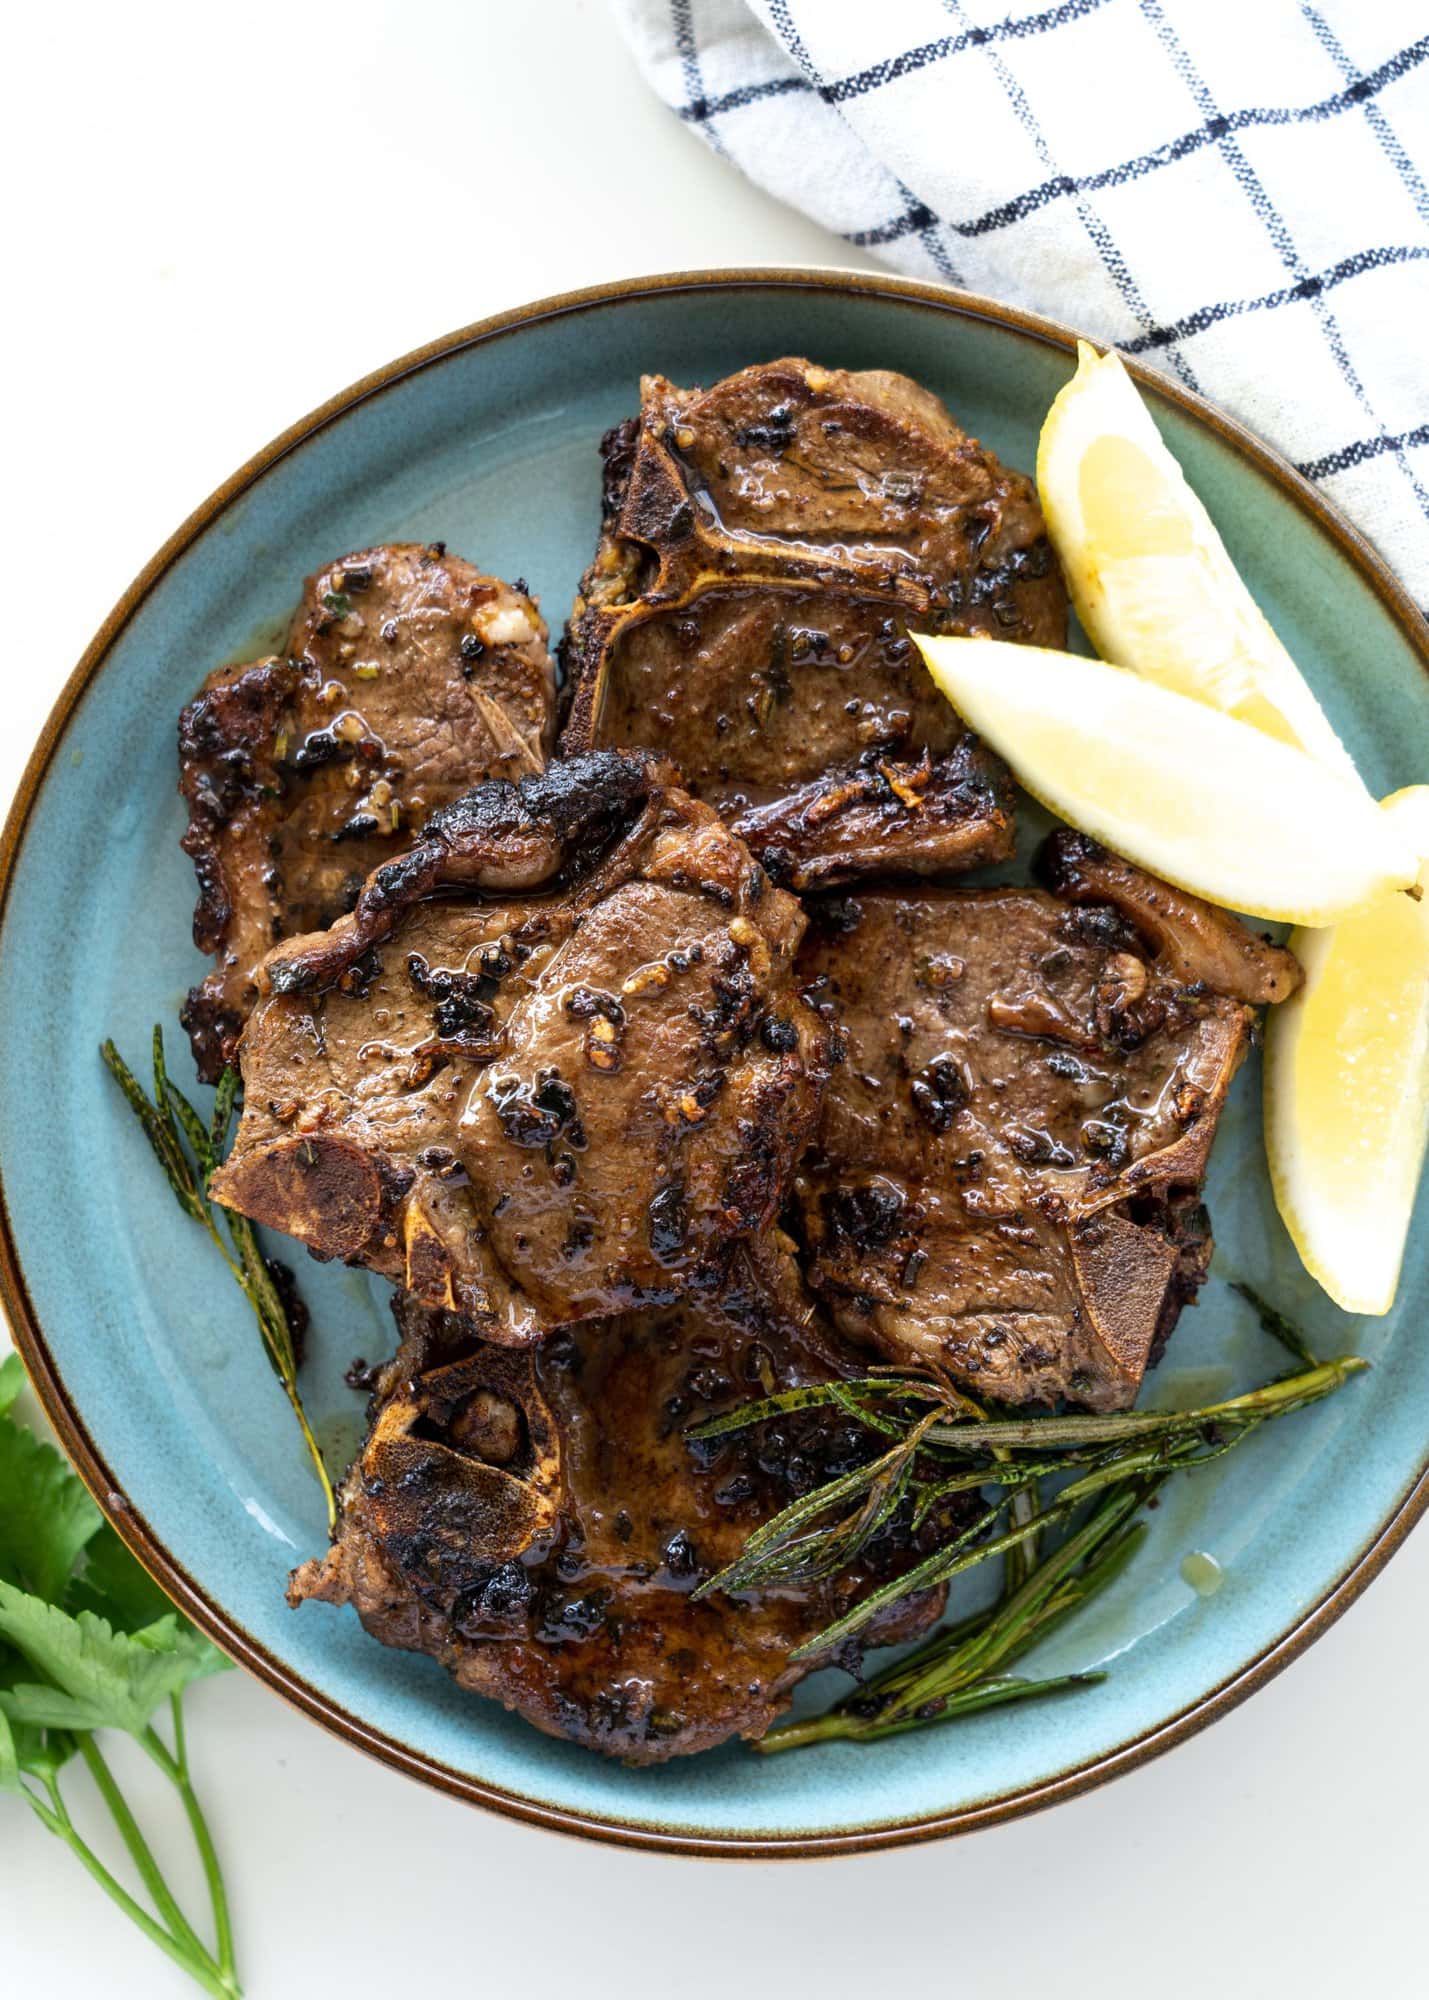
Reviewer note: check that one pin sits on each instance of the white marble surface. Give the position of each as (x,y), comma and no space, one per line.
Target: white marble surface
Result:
(214,217)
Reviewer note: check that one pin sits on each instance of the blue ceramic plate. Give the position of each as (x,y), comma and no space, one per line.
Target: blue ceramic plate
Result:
(144,1355)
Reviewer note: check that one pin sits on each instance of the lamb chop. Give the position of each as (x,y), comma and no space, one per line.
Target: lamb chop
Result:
(563,1089)
(766,545)
(1004,1185)
(406,677)
(537,1520)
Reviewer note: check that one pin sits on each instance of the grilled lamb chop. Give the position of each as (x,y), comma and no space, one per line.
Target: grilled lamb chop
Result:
(561,1092)
(1004,1184)
(766,545)
(536,1520)
(407,677)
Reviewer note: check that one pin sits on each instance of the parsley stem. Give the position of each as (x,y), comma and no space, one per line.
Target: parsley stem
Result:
(139,1850)
(174,1765)
(199,1967)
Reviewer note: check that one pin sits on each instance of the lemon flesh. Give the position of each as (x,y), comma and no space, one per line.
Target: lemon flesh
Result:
(1180,788)
(1151,579)
(1347,1088)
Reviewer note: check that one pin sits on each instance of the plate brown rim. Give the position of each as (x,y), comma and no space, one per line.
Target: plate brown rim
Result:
(49,1384)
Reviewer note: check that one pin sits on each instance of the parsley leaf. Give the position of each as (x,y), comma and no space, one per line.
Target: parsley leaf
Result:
(88,1641)
(46,1517)
(12,1381)
(9,1759)
(115,1585)
(96,1678)
(35,1753)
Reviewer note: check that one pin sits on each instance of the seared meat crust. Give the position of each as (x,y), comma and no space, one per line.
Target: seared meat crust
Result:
(1003,1185)
(497,837)
(768,542)
(407,676)
(537,1107)
(537,1520)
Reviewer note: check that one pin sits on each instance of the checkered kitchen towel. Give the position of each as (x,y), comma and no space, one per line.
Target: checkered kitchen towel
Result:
(1234,190)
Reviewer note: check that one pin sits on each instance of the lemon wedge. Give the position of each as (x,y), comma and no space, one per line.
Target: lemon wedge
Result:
(1151,579)
(1347,1087)
(1198,798)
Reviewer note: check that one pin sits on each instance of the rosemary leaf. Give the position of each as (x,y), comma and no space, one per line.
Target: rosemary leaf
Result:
(785,1525)
(863,1412)
(963,1668)
(1074,1573)
(986,1694)
(1103,1571)
(991,1694)
(765,1553)
(848,1395)
(264,1296)
(158,1128)
(849,1541)
(1019,1478)
(1291,1392)
(934,1569)
(171,1100)
(224,1099)
(1021,1558)
(1276,1324)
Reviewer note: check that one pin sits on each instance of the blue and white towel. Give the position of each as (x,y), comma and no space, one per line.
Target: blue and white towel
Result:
(1234,190)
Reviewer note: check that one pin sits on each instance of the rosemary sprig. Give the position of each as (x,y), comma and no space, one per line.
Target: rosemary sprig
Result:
(945,1444)
(955,1456)
(964,1668)
(190,1151)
